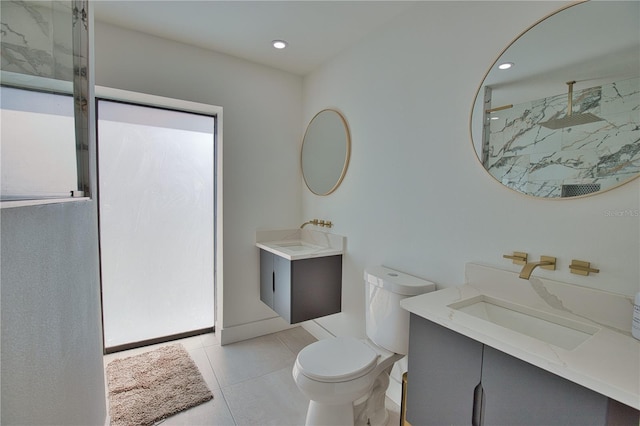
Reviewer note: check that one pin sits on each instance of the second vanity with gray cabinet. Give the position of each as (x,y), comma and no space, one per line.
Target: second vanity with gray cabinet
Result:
(300,273)
(506,351)
(300,290)
(480,385)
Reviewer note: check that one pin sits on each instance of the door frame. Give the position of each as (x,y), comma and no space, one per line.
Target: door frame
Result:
(143,99)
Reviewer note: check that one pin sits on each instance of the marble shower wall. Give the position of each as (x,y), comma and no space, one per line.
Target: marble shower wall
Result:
(539,161)
(37,38)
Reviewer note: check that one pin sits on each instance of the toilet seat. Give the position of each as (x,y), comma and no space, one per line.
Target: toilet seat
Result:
(336,360)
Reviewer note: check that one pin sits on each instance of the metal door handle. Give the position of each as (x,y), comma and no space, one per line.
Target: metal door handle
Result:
(478,403)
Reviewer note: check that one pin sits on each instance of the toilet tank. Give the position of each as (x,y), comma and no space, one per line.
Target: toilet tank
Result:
(387,323)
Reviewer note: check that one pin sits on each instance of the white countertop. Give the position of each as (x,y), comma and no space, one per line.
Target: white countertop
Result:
(296,244)
(608,362)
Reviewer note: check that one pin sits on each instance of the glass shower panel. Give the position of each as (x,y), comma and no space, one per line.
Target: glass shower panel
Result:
(38,150)
(45,77)
(156,197)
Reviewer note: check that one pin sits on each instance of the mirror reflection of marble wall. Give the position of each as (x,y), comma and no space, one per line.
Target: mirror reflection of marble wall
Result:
(37,38)
(539,161)
(596,44)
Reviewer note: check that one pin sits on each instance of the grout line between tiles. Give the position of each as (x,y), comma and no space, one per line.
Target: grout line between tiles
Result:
(286,346)
(228,406)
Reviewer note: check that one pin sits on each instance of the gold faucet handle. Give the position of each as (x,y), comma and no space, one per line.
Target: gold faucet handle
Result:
(548,262)
(581,267)
(328,224)
(518,257)
(321,223)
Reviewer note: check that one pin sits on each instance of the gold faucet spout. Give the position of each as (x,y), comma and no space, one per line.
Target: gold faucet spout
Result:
(311,222)
(546,262)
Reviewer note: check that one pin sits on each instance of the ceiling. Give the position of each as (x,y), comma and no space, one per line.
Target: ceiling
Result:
(585,43)
(315,30)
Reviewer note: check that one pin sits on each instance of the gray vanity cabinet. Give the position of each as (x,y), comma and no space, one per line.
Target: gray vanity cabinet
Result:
(444,370)
(518,393)
(455,380)
(300,290)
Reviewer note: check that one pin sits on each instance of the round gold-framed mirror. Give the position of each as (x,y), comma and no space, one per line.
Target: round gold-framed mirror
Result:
(563,121)
(325,153)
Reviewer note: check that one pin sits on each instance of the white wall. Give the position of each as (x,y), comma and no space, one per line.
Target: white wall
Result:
(262,129)
(415,198)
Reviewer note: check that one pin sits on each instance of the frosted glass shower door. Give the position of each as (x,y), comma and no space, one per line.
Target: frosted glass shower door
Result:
(156,203)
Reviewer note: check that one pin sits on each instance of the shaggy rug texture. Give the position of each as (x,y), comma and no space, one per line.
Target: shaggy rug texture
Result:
(149,387)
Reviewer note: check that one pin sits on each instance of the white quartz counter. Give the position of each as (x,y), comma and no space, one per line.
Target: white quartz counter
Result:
(296,244)
(607,362)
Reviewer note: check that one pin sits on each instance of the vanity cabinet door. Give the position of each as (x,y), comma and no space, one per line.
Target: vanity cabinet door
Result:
(275,283)
(267,277)
(316,287)
(518,393)
(444,370)
(282,287)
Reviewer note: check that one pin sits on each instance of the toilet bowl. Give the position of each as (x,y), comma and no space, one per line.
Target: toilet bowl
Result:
(346,378)
(335,373)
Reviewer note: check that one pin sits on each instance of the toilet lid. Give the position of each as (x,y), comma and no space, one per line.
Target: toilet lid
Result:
(336,360)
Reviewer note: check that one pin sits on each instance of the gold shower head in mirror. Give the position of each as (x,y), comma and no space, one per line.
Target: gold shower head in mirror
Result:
(570,119)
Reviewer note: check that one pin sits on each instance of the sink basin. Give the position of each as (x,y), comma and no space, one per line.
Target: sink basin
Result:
(295,246)
(298,244)
(555,330)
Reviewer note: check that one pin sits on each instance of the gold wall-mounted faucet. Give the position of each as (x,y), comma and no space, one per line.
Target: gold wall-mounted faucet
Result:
(546,262)
(311,222)
(316,222)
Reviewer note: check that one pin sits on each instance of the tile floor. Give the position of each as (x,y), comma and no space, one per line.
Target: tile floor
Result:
(251,381)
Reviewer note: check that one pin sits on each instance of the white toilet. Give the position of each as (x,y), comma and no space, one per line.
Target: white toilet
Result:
(346,378)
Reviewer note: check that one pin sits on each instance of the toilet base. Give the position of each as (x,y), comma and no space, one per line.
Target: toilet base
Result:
(329,415)
(343,415)
(371,410)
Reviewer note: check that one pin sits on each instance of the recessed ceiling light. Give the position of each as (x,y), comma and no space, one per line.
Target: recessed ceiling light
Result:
(279,44)
(505,66)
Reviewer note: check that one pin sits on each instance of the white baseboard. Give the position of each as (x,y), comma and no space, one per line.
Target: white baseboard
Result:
(250,330)
(316,330)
